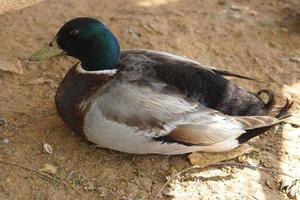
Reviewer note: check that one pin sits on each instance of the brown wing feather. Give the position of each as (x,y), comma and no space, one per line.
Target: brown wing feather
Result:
(253,122)
(191,134)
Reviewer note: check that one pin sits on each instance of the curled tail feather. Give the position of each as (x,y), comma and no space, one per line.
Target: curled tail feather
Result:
(271,98)
(279,112)
(282,113)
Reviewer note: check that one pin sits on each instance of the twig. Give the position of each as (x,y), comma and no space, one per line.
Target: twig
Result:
(17,165)
(15,126)
(42,175)
(218,164)
(8,130)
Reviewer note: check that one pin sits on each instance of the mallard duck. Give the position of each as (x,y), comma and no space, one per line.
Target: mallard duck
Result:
(151,102)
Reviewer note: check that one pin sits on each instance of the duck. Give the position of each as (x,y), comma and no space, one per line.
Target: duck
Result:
(143,101)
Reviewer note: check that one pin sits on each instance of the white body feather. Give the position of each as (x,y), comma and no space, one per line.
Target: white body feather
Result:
(120,137)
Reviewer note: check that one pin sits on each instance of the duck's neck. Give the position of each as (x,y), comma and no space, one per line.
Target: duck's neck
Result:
(103,55)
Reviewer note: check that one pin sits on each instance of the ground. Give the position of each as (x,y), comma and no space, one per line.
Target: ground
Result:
(258,38)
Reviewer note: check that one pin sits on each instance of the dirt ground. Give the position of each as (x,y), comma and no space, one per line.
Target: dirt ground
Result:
(10,5)
(258,38)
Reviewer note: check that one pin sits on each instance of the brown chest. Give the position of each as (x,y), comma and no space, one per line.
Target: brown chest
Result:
(75,88)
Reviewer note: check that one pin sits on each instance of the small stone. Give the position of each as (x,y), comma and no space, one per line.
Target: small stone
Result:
(252,12)
(272,44)
(89,187)
(133,33)
(235,8)
(101,191)
(284,29)
(4,141)
(222,2)
(2,122)
(269,184)
(48,148)
(295,59)
(267,164)
(71,176)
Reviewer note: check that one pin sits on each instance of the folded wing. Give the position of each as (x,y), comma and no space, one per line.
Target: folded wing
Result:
(139,98)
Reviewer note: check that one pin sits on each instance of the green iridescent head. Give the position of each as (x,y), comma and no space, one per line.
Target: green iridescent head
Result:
(86,39)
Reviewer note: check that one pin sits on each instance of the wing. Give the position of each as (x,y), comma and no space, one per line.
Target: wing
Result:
(168,57)
(198,82)
(139,98)
(161,110)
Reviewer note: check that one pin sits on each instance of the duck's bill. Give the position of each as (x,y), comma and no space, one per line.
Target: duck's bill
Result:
(49,51)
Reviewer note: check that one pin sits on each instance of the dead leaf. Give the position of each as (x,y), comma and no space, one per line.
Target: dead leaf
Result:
(242,158)
(13,67)
(269,184)
(292,92)
(48,169)
(39,80)
(9,5)
(292,191)
(294,119)
(286,183)
(204,158)
(267,164)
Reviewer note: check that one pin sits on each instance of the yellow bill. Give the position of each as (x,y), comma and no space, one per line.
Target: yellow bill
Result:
(51,50)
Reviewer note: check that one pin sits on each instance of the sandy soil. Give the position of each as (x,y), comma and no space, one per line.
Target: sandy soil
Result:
(259,39)
(9,5)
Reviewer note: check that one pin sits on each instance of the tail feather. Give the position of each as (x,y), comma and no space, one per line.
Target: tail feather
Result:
(256,125)
(283,111)
(252,133)
(280,112)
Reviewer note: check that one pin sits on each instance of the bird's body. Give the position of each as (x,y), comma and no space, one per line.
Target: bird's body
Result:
(154,102)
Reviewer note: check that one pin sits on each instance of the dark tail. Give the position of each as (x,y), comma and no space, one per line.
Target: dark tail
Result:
(252,133)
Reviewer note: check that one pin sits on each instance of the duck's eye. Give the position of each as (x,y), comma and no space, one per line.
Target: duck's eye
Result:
(74,32)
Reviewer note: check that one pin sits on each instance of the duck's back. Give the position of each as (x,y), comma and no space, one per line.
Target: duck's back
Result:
(198,82)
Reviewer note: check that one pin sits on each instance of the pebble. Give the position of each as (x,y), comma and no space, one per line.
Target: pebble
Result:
(4,141)
(48,148)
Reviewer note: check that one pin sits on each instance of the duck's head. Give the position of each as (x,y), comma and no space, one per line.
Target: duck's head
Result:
(86,39)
